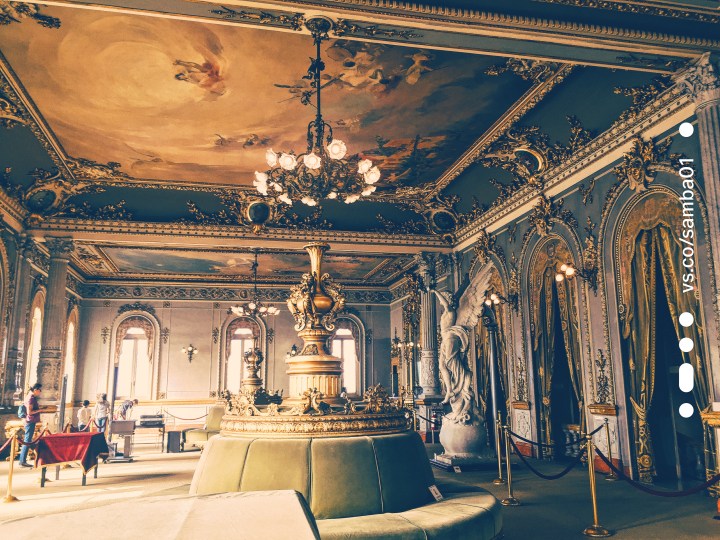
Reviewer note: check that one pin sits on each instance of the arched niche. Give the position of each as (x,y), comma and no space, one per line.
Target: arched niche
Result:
(544,251)
(232,323)
(33,344)
(151,327)
(70,344)
(632,216)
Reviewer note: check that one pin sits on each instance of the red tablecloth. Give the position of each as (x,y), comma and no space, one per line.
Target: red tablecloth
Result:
(71,447)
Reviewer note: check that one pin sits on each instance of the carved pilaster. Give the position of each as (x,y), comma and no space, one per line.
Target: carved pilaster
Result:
(703,82)
(50,364)
(16,333)
(429,379)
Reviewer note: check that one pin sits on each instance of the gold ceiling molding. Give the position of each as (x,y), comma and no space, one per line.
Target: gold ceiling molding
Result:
(659,9)
(521,107)
(662,105)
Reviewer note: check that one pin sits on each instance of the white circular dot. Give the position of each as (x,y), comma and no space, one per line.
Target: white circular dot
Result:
(686,344)
(686,410)
(686,129)
(686,319)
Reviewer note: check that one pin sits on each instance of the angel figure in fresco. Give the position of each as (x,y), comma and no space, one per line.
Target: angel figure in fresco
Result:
(453,363)
(418,67)
(206,75)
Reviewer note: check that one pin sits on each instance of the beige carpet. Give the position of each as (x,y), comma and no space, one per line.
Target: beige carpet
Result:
(557,509)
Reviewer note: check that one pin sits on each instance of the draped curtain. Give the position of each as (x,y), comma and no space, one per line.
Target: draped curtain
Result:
(135,322)
(544,342)
(651,246)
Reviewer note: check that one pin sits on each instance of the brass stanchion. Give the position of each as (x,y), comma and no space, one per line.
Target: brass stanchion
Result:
(510,500)
(612,477)
(498,435)
(595,530)
(9,497)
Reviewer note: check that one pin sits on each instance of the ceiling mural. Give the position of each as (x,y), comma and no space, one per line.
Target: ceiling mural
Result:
(110,119)
(274,266)
(183,101)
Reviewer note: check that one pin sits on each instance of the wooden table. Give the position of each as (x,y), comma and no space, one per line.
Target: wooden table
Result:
(61,448)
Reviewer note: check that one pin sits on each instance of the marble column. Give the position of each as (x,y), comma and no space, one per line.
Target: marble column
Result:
(428,375)
(18,324)
(703,81)
(50,365)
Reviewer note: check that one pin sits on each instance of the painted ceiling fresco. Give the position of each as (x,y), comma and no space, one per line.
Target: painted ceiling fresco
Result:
(175,100)
(233,264)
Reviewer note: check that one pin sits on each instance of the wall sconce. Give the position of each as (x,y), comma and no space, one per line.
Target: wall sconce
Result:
(567,270)
(190,351)
(493,299)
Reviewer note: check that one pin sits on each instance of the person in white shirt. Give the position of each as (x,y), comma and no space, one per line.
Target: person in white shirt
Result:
(84,415)
(101,412)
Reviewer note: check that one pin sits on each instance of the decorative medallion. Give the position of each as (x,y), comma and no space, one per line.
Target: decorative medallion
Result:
(642,163)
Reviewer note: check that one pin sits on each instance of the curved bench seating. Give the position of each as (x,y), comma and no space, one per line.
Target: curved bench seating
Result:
(357,487)
(459,516)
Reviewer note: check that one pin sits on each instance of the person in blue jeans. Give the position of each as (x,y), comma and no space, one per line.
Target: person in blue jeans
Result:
(32,417)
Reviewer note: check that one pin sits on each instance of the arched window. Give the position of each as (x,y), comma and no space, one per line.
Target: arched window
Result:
(34,341)
(133,359)
(242,335)
(345,344)
(70,360)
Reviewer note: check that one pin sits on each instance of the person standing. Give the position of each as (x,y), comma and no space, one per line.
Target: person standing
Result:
(84,415)
(101,412)
(32,417)
(126,408)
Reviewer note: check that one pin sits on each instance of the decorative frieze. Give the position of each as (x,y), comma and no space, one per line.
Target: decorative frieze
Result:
(97,290)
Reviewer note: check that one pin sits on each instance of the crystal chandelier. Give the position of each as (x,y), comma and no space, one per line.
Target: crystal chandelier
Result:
(323,171)
(254,308)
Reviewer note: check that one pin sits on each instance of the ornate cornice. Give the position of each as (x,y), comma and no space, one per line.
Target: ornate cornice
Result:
(470,18)
(663,104)
(230,294)
(686,12)
(182,230)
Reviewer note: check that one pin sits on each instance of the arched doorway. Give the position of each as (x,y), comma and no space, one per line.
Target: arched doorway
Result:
(555,334)
(135,342)
(651,264)
(347,343)
(241,336)
(70,360)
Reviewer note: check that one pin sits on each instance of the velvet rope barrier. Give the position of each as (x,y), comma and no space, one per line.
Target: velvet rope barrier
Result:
(186,419)
(557,476)
(657,493)
(543,445)
(33,443)
(7,443)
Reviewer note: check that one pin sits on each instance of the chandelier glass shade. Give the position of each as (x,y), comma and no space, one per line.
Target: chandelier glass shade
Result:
(254,307)
(323,171)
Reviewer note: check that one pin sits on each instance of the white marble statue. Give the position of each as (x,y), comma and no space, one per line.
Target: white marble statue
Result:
(453,363)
